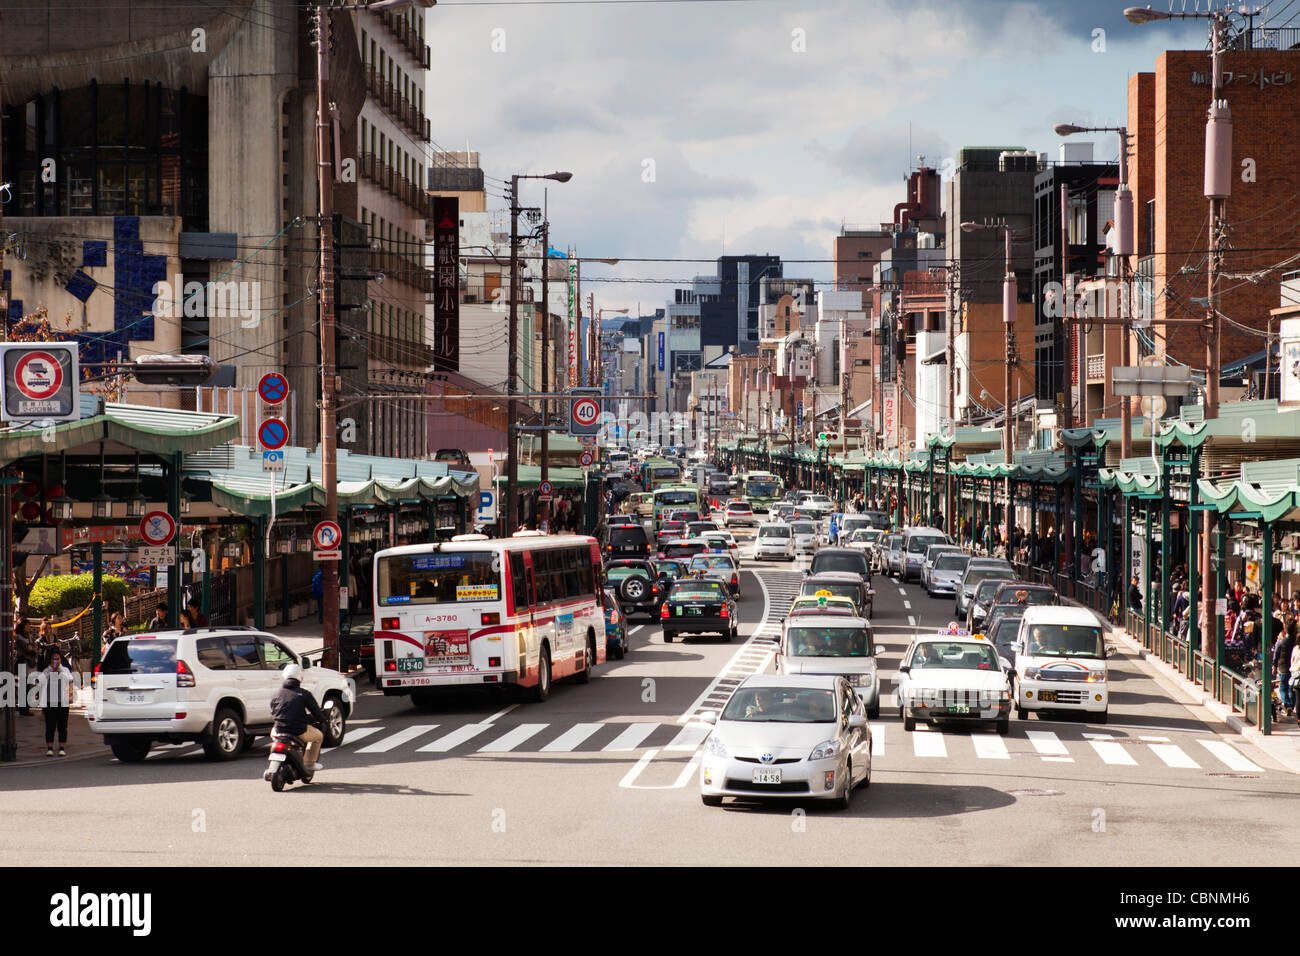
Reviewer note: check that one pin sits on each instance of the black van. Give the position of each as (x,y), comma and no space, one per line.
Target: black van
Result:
(626,541)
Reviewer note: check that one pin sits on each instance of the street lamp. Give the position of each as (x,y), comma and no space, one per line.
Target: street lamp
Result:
(512,384)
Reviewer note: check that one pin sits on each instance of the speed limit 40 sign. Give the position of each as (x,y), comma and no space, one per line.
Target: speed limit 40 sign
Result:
(584,411)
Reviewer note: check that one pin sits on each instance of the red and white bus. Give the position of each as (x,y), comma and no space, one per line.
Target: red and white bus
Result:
(478,611)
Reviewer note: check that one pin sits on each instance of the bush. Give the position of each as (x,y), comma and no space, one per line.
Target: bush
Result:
(57,593)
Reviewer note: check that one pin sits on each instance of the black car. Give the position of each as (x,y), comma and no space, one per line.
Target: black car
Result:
(1020,592)
(698,607)
(626,541)
(981,601)
(841,559)
(637,584)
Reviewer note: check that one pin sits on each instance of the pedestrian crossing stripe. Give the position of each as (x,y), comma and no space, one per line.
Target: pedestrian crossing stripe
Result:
(673,738)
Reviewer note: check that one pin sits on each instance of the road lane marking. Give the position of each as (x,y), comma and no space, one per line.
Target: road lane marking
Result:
(175,750)
(928,743)
(500,713)
(1060,759)
(1046,742)
(1230,755)
(911,621)
(907,605)
(1109,751)
(571,738)
(990,748)
(453,739)
(513,739)
(689,737)
(359,733)
(1174,756)
(403,736)
(902,590)
(683,778)
(631,738)
(877,740)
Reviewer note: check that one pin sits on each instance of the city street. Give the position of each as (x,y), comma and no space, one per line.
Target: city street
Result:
(607,774)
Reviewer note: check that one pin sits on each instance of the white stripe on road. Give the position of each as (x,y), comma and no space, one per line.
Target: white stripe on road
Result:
(359,733)
(571,738)
(1060,759)
(1229,754)
(682,778)
(513,739)
(454,739)
(990,748)
(632,737)
(911,621)
(928,743)
(174,750)
(902,590)
(1046,742)
(405,735)
(1109,751)
(877,740)
(908,605)
(1174,756)
(689,737)
(500,713)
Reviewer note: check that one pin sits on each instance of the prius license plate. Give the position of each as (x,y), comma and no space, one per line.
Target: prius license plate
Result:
(767,775)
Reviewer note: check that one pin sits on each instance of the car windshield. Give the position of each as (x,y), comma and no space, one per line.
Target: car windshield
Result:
(774,531)
(850,591)
(1027,596)
(950,562)
(797,705)
(829,642)
(1065,640)
(955,655)
(702,562)
(976,576)
(1005,631)
(442,578)
(687,549)
(670,568)
(698,591)
(986,588)
(803,527)
(918,543)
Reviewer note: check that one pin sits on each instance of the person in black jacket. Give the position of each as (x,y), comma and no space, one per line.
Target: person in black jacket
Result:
(290,708)
(1134,595)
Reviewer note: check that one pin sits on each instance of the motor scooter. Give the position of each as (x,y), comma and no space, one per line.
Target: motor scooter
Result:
(287,760)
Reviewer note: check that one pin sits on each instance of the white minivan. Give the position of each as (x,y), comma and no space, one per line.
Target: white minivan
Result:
(833,644)
(1061,656)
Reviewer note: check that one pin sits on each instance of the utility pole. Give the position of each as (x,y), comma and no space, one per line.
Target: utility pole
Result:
(592,356)
(546,347)
(329,382)
(512,370)
(1067,383)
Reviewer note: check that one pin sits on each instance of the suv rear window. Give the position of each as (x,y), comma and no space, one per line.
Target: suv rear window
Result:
(853,561)
(141,656)
(627,534)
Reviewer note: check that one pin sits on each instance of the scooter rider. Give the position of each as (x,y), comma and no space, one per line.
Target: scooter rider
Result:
(290,708)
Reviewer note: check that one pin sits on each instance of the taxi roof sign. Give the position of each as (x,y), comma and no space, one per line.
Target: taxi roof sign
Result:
(953,630)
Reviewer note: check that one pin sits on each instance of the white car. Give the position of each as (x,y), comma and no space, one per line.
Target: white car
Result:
(774,540)
(807,536)
(819,503)
(738,514)
(793,736)
(833,644)
(1061,662)
(213,686)
(953,676)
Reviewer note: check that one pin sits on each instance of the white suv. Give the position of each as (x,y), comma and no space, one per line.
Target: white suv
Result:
(212,685)
(774,540)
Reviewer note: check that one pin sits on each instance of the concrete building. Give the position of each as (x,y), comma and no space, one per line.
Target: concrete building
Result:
(1166,117)
(729,301)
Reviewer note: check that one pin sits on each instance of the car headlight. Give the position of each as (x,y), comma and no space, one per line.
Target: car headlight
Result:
(714,746)
(825,750)
(1096,676)
(1033,673)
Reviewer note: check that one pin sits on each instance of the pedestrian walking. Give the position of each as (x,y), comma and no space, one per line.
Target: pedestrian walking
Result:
(54,691)
(1282,652)
(25,657)
(1134,595)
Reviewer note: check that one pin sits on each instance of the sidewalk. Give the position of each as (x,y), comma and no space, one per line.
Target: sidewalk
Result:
(1283,744)
(30,735)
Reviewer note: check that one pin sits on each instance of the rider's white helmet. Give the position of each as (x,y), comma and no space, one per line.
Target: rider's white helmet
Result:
(292,672)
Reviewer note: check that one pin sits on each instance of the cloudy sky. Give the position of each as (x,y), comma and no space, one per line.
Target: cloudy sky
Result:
(701,127)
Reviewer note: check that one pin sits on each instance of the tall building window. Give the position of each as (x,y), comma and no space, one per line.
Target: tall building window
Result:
(1151,228)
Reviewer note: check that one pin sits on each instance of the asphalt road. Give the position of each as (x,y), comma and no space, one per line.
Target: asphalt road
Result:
(607,774)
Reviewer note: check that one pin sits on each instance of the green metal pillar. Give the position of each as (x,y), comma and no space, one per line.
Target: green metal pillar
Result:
(1033,523)
(1056,532)
(344,519)
(284,588)
(1221,589)
(97,578)
(1166,552)
(1147,576)
(259,572)
(172,473)
(1266,644)
(1126,554)
(1077,477)
(898,515)
(206,595)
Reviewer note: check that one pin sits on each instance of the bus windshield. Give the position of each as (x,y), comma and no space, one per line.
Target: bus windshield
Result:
(666,499)
(438,578)
(761,487)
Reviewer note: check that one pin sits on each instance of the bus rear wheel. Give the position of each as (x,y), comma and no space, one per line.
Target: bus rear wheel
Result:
(543,688)
(584,675)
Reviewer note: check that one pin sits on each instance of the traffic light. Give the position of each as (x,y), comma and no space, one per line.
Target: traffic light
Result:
(174,369)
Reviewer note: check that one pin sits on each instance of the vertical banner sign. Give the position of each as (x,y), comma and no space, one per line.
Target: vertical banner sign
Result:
(446,283)
(661,351)
(798,416)
(573,332)
(891,415)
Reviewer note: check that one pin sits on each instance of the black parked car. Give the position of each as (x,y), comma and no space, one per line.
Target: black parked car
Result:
(626,541)
(698,607)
